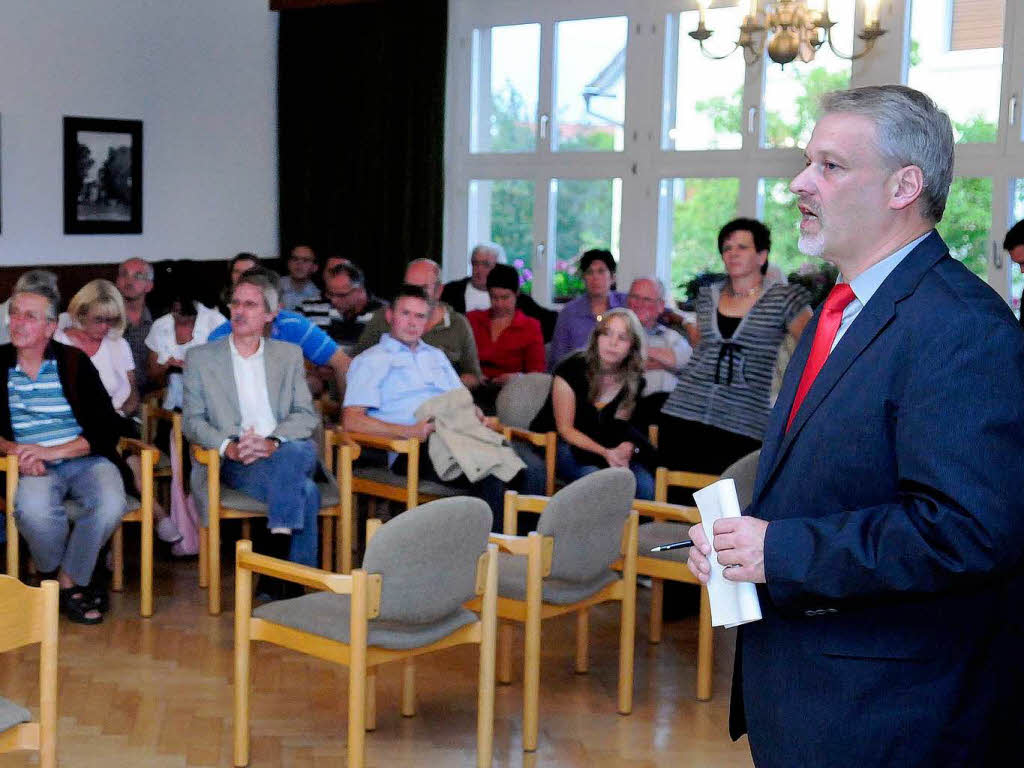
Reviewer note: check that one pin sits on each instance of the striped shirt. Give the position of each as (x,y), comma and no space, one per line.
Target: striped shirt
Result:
(40,413)
(727,381)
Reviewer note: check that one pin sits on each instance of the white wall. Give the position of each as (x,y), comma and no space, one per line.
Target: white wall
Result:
(200,74)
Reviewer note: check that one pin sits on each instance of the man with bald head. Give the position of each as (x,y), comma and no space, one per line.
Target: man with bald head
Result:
(135,281)
(447,329)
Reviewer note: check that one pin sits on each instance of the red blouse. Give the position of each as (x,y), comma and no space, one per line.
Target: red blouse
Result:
(518,349)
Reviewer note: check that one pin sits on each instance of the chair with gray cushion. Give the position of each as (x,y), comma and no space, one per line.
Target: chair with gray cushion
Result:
(30,615)
(517,405)
(407,599)
(216,502)
(585,533)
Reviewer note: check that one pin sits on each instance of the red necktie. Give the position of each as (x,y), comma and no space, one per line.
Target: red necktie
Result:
(828,325)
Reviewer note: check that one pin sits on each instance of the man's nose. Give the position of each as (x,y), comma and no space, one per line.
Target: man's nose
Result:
(800,182)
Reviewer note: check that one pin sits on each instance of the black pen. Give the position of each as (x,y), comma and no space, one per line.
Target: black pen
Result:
(673,545)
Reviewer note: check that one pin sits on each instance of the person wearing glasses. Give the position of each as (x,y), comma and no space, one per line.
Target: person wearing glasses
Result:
(348,305)
(297,286)
(667,350)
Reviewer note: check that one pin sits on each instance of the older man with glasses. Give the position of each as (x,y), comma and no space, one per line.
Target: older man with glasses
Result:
(346,306)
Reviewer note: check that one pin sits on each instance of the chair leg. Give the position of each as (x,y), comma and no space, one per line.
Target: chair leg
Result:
(705,655)
(213,596)
(243,607)
(146,565)
(657,608)
(327,544)
(246,529)
(117,555)
(582,640)
(409,688)
(357,673)
(204,557)
(627,632)
(371,699)
(505,653)
(531,652)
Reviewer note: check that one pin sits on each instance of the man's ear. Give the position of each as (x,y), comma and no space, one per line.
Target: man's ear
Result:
(907,185)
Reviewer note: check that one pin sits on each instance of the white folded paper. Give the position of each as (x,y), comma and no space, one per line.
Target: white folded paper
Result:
(732,602)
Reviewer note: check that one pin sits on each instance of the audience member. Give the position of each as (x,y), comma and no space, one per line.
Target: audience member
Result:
(57,418)
(187,325)
(508,342)
(317,347)
(667,350)
(1013,243)
(297,286)
(246,396)
(470,293)
(346,307)
(237,265)
(446,329)
(31,278)
(593,401)
(135,281)
(578,318)
(389,381)
(719,410)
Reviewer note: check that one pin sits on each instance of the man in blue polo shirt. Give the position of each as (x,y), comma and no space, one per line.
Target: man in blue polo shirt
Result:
(317,347)
(56,417)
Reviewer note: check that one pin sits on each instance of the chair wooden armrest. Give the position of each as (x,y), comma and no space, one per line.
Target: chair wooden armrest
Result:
(662,511)
(396,444)
(521,546)
(139,447)
(208,457)
(9,464)
(335,438)
(338,583)
(539,439)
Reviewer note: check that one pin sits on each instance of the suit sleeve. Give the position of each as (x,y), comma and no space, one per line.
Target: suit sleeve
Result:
(301,419)
(958,518)
(196,422)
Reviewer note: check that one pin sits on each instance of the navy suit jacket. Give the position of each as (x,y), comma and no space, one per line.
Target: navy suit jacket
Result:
(892,611)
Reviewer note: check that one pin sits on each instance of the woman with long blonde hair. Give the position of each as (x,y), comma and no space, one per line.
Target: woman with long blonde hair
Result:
(593,400)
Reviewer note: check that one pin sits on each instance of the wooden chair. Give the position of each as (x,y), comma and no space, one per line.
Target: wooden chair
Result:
(223,503)
(566,566)
(30,615)
(152,414)
(140,510)
(406,601)
(517,405)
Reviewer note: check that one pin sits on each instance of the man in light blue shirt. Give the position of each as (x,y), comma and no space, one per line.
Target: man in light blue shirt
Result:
(390,380)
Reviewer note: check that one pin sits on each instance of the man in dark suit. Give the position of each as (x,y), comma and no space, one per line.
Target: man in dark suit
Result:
(886,531)
(470,293)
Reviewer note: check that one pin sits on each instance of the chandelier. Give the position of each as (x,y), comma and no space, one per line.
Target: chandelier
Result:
(788,29)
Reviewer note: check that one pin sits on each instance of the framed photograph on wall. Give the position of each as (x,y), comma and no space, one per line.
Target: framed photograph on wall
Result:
(102,176)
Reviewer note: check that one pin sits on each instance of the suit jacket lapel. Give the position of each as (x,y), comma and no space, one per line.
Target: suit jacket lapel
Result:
(224,377)
(871,321)
(275,378)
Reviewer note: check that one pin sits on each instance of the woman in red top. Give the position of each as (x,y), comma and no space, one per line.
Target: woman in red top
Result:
(508,342)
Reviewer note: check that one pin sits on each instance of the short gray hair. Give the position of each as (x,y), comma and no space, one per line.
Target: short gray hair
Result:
(267,282)
(652,279)
(497,250)
(41,282)
(910,130)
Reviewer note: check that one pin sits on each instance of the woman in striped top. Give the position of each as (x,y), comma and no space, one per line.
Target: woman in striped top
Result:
(719,409)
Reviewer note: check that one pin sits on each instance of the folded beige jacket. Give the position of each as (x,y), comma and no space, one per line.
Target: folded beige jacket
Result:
(461,444)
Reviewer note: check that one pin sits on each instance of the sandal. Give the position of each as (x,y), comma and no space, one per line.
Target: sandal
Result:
(77,603)
(99,597)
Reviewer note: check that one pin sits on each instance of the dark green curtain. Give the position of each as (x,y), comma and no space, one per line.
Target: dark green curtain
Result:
(361,132)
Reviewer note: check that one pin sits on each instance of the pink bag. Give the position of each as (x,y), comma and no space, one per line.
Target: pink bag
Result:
(183,510)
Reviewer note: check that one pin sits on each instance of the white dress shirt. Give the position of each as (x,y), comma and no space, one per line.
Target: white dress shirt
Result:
(251,385)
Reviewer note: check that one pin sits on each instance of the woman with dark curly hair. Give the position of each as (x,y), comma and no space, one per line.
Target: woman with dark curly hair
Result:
(593,401)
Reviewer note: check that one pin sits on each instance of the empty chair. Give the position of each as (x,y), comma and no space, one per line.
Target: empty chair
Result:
(517,405)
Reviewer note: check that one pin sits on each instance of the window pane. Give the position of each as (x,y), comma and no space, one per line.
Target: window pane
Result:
(791,93)
(708,93)
(959,64)
(1016,277)
(502,212)
(506,73)
(965,224)
(587,216)
(699,208)
(590,84)
(780,215)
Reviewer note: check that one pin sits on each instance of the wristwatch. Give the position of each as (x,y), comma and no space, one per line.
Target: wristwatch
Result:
(275,440)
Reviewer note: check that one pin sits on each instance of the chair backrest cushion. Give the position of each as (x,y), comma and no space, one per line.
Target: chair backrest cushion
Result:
(744,473)
(586,518)
(427,558)
(522,398)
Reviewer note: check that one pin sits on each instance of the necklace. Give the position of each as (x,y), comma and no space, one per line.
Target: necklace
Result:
(741,295)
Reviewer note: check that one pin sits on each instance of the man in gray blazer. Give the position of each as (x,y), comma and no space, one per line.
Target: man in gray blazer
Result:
(246,396)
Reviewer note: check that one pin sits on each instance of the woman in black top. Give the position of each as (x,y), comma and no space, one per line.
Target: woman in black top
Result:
(593,400)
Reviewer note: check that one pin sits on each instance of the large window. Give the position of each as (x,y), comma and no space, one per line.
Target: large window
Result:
(577,124)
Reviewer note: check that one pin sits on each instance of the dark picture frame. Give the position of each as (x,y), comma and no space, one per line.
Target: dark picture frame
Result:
(102,176)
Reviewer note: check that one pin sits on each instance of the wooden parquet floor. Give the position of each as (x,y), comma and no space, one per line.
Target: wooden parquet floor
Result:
(157,692)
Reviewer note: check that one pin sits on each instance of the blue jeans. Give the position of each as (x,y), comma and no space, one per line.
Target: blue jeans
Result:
(569,468)
(92,481)
(284,482)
